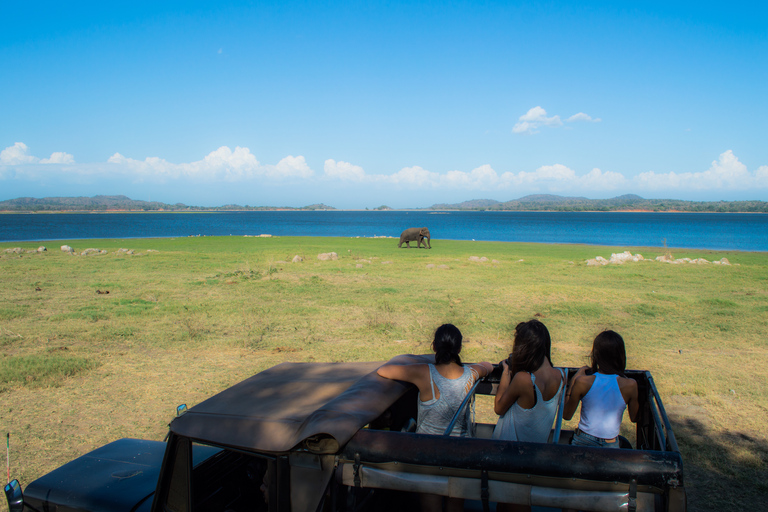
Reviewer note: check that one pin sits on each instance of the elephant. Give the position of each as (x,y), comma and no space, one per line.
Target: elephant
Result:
(415,235)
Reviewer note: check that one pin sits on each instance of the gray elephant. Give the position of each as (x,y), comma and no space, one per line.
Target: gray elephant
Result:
(415,235)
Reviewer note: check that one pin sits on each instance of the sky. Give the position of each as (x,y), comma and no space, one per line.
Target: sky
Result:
(403,104)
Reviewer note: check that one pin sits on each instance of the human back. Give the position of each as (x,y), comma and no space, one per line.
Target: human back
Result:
(442,386)
(530,388)
(604,393)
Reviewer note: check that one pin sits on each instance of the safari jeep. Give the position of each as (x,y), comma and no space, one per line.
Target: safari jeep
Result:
(335,437)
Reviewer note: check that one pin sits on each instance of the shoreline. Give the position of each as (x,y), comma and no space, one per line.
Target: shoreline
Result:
(419,210)
(618,248)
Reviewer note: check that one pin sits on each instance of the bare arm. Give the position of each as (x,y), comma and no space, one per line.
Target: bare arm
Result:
(630,394)
(510,389)
(417,374)
(483,369)
(575,391)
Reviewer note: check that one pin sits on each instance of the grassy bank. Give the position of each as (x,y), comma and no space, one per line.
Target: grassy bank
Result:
(185,318)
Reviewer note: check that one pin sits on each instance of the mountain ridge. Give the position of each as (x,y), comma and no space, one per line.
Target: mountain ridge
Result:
(534,202)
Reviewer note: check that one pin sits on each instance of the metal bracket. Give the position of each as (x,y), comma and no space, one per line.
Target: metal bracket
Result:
(632,502)
(484,494)
(356,468)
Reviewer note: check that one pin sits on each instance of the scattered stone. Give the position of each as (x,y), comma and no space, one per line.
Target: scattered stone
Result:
(520,261)
(431,265)
(152,250)
(325,256)
(386,262)
(91,250)
(105,292)
(359,265)
(297,259)
(625,256)
(597,261)
(124,251)
(15,250)
(495,261)
(445,267)
(66,248)
(263,235)
(41,249)
(478,259)
(38,289)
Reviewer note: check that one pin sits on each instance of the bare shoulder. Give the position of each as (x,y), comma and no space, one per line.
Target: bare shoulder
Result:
(584,381)
(522,379)
(627,384)
(581,385)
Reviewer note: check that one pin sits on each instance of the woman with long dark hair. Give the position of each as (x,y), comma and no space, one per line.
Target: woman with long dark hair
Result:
(442,388)
(604,394)
(530,387)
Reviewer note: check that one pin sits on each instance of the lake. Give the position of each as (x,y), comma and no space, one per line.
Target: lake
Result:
(716,231)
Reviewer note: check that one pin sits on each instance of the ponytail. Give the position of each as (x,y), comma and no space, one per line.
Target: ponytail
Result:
(447,344)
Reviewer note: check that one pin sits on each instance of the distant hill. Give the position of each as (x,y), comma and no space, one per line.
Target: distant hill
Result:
(537,202)
(627,202)
(123,203)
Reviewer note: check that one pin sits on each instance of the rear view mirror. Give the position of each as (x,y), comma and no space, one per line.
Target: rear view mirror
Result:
(181,409)
(15,496)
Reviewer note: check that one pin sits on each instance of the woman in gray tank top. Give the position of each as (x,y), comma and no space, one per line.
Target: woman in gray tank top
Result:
(442,388)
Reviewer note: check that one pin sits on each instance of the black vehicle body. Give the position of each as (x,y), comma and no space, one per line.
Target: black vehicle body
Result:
(333,436)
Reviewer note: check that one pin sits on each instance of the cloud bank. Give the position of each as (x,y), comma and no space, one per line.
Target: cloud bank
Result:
(18,154)
(239,170)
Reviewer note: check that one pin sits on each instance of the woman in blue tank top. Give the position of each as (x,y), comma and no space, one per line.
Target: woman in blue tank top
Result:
(442,388)
(603,395)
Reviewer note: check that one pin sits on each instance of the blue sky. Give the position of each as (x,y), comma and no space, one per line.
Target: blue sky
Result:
(404,104)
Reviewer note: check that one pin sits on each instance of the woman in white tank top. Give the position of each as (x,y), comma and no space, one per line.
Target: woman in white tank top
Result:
(604,394)
(529,389)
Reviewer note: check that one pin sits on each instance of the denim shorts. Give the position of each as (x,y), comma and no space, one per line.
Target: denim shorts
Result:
(583,439)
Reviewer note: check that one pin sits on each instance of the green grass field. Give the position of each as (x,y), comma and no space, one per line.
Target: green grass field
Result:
(185,318)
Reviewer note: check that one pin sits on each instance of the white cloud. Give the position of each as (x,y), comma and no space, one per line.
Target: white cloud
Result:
(59,157)
(291,167)
(581,116)
(17,155)
(412,176)
(533,119)
(483,177)
(343,171)
(727,172)
(222,164)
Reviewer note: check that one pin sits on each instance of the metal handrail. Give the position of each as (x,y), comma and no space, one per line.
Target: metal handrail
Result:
(560,407)
(461,408)
(663,413)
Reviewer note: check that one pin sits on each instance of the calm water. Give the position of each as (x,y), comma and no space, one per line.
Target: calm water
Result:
(744,232)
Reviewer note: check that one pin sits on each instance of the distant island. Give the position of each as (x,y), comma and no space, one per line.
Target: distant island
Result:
(125,204)
(625,203)
(541,202)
